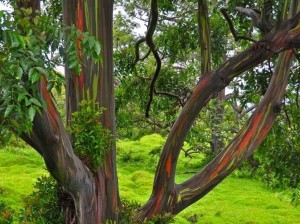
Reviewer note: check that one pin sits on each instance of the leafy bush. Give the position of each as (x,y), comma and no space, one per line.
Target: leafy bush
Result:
(127,214)
(296,196)
(279,156)
(91,139)
(6,215)
(43,205)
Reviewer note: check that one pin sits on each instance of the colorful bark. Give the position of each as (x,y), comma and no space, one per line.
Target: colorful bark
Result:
(244,143)
(96,83)
(95,194)
(204,36)
(190,191)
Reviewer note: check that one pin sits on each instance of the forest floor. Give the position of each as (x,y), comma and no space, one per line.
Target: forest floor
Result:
(234,201)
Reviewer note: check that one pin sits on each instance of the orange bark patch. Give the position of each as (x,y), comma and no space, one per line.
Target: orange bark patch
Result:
(249,134)
(158,200)
(50,106)
(80,22)
(224,161)
(168,165)
(201,85)
(80,26)
(264,132)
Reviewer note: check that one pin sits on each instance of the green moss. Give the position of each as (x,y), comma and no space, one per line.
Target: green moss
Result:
(234,201)
(19,169)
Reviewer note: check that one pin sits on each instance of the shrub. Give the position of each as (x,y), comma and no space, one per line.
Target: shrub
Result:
(43,205)
(91,139)
(6,214)
(127,214)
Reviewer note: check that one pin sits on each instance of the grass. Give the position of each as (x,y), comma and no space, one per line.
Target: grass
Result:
(19,169)
(234,201)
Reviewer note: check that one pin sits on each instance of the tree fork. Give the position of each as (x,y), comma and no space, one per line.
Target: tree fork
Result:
(215,81)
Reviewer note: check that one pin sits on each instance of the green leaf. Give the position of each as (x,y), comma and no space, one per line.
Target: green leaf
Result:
(42,71)
(19,72)
(36,102)
(91,42)
(8,110)
(34,75)
(73,65)
(31,113)
(85,38)
(21,97)
(97,48)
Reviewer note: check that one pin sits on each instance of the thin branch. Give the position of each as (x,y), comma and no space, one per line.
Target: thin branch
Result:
(170,95)
(137,50)
(232,29)
(236,108)
(153,123)
(247,111)
(149,40)
(250,13)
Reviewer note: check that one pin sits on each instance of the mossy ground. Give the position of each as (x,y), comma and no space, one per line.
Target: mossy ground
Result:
(233,201)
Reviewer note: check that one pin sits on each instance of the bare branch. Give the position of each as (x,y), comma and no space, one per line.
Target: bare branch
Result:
(251,13)
(137,50)
(170,95)
(248,110)
(232,29)
(250,136)
(149,40)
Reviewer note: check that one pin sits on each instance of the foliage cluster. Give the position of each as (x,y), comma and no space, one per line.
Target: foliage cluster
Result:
(127,214)
(43,205)
(91,140)
(6,214)
(30,50)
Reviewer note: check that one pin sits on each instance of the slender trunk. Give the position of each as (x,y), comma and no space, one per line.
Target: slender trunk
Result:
(217,119)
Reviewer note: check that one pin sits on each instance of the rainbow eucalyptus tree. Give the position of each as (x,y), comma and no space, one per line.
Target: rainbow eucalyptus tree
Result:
(90,87)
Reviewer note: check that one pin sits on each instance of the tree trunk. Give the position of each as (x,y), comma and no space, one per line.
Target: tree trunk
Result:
(96,83)
(95,193)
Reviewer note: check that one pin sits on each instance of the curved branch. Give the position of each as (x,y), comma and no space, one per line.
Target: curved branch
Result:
(244,143)
(50,139)
(149,40)
(232,29)
(137,50)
